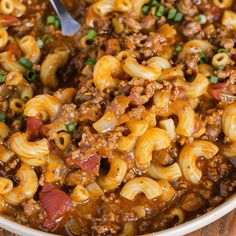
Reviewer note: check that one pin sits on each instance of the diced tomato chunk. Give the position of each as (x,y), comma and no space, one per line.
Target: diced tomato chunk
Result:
(6,20)
(91,165)
(33,126)
(217,90)
(56,204)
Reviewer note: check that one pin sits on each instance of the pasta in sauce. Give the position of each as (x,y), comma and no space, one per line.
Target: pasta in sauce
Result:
(126,128)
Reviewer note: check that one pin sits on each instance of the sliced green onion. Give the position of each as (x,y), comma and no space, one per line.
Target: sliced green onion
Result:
(222,50)
(154,3)
(179,16)
(3,77)
(71,127)
(2,117)
(47,38)
(213,79)
(171,14)
(22,118)
(178,48)
(202,19)
(91,35)
(57,23)
(145,9)
(203,58)
(26,63)
(160,11)
(91,61)
(219,67)
(30,75)
(53,20)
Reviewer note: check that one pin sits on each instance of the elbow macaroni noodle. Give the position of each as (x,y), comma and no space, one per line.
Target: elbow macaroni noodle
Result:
(122,127)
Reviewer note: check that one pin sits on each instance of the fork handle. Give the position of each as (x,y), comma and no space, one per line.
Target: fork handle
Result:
(68,24)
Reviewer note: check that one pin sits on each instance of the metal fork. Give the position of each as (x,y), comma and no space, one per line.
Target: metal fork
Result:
(69,25)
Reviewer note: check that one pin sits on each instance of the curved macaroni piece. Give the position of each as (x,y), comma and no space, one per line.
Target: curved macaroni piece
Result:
(4,131)
(123,5)
(105,72)
(19,8)
(137,128)
(6,7)
(220,59)
(223,3)
(169,32)
(229,19)
(17,105)
(137,5)
(168,192)
(43,105)
(22,147)
(5,154)
(229,121)
(148,186)
(106,123)
(177,212)
(169,173)
(80,194)
(196,46)
(3,37)
(26,189)
(186,117)
(63,140)
(35,161)
(9,63)
(50,66)
(30,48)
(152,139)
(66,95)
(189,155)
(6,185)
(15,78)
(115,176)
(94,190)
(196,88)
(128,230)
(104,7)
(171,73)
(169,126)
(228,150)
(149,72)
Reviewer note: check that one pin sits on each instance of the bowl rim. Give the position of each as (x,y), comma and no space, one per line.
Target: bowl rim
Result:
(182,229)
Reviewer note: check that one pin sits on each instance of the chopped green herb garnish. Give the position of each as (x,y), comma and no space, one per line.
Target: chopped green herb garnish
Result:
(91,61)
(91,35)
(213,79)
(3,77)
(203,58)
(154,3)
(178,17)
(171,14)
(71,127)
(219,67)
(160,11)
(202,19)
(222,50)
(2,117)
(145,9)
(47,38)
(53,20)
(26,63)
(178,48)
(30,75)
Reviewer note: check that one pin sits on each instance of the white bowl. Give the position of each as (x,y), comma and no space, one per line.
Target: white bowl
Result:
(182,229)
